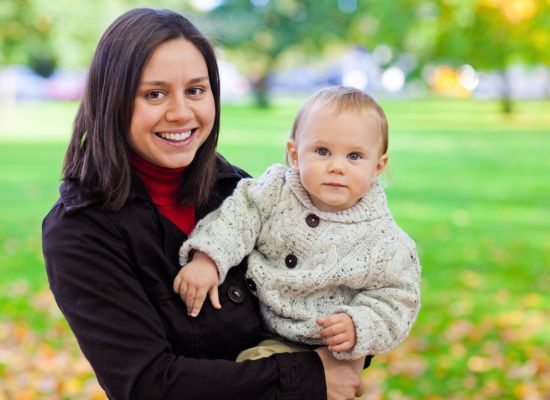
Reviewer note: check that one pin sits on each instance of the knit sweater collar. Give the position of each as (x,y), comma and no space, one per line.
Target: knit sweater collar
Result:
(371,206)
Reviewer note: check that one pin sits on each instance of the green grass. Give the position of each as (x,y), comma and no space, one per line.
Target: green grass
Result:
(469,184)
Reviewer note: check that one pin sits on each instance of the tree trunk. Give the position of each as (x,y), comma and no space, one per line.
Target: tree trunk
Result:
(506,104)
(261,91)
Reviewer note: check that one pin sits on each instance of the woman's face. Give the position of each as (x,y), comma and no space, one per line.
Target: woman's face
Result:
(174,107)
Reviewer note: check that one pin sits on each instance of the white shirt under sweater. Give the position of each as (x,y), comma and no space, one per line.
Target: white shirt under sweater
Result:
(356,261)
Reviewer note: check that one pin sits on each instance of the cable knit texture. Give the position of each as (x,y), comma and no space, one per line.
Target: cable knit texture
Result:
(356,261)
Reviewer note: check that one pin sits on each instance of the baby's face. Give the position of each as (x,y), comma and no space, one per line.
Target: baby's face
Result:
(338,156)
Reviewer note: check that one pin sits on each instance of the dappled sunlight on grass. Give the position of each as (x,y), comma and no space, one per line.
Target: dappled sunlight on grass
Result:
(43,364)
(474,353)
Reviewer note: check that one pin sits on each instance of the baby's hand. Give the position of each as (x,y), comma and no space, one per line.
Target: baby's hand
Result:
(195,281)
(338,332)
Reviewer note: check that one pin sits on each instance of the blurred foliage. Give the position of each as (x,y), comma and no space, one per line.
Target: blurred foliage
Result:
(262,35)
(259,33)
(487,34)
(62,33)
(490,35)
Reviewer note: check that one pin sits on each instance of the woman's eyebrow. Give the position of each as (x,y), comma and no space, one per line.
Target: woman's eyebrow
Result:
(153,83)
(198,80)
(164,83)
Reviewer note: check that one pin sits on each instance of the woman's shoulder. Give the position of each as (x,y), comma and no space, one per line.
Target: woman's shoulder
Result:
(75,208)
(73,198)
(226,170)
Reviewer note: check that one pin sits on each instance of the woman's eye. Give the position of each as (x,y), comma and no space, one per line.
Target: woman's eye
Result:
(195,91)
(154,94)
(354,156)
(322,151)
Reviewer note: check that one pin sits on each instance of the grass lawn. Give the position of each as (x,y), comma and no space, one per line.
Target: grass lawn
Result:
(467,183)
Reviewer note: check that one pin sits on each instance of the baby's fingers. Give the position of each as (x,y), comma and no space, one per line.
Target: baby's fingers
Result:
(336,339)
(177,283)
(333,330)
(342,346)
(214,299)
(196,301)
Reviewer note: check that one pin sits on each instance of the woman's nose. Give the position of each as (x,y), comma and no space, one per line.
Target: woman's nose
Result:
(179,109)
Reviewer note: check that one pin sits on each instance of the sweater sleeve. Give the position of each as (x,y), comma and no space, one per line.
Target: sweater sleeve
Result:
(384,312)
(122,334)
(229,233)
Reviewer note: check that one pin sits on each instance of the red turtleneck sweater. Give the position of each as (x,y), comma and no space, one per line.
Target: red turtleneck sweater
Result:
(162,185)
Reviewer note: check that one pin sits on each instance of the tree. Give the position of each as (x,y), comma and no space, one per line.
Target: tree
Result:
(25,37)
(490,35)
(61,33)
(258,33)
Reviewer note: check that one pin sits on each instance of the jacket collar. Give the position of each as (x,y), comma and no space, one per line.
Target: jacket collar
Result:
(74,198)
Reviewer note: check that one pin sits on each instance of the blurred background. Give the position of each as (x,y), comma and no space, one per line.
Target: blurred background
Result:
(466,88)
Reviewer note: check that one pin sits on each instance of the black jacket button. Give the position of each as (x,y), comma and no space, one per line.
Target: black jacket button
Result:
(291,261)
(251,284)
(235,294)
(312,220)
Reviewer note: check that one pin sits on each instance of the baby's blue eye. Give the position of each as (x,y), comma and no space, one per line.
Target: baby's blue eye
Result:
(322,151)
(354,156)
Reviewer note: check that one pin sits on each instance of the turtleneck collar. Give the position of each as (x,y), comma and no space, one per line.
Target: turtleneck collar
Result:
(163,185)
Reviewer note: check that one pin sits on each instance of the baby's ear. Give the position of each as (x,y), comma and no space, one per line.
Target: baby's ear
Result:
(381,164)
(291,154)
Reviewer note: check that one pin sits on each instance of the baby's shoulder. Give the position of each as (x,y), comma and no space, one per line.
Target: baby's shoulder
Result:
(267,187)
(275,173)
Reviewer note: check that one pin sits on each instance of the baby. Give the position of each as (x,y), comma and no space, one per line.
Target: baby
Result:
(326,260)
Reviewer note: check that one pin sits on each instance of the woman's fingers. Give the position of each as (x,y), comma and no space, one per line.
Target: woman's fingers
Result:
(361,390)
(340,376)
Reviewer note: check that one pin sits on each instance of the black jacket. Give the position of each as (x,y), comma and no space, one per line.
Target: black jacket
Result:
(111,274)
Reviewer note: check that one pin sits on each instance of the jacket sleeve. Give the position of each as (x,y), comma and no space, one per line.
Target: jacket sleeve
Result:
(123,336)
(384,312)
(229,233)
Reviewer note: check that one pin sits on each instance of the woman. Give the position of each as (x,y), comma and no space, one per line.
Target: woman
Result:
(140,170)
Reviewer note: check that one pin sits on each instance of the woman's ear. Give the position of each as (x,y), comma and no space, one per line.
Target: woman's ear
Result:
(292,154)
(381,164)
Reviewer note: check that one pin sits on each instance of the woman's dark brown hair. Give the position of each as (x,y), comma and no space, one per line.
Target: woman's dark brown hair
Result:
(97,157)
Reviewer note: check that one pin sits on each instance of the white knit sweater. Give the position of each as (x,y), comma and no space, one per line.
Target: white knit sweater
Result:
(356,261)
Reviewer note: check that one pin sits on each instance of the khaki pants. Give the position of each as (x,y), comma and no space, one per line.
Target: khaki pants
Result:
(269,347)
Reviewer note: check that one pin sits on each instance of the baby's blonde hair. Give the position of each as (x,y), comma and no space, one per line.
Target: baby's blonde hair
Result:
(343,98)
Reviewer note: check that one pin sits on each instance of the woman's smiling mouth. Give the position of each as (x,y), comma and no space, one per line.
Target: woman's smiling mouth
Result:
(176,137)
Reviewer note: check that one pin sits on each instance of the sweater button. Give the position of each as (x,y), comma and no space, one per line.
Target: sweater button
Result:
(235,294)
(251,284)
(291,261)
(312,220)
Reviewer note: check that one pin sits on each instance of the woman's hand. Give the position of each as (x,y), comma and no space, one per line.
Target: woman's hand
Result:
(197,279)
(341,376)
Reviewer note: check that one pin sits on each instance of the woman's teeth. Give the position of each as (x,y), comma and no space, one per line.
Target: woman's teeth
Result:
(175,136)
